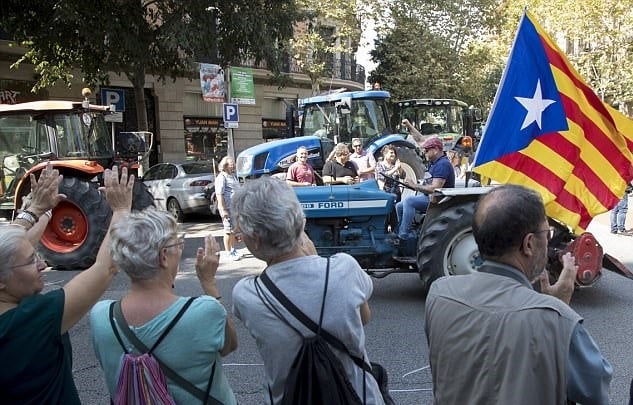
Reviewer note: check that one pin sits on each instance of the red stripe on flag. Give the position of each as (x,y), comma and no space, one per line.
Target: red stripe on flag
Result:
(559,61)
(574,204)
(534,170)
(592,133)
(542,175)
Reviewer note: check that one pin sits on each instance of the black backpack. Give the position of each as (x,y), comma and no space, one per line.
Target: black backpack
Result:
(316,376)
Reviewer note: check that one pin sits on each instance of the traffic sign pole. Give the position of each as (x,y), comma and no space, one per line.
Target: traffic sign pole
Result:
(227,92)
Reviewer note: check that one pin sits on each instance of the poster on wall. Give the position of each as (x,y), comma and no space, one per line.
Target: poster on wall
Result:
(212,83)
(242,86)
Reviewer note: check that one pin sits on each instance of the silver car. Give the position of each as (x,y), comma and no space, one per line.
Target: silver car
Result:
(179,187)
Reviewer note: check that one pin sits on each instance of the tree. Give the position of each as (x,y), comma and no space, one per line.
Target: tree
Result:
(597,38)
(433,48)
(329,28)
(160,37)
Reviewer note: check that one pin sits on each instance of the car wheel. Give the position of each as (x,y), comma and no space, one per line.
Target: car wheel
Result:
(174,208)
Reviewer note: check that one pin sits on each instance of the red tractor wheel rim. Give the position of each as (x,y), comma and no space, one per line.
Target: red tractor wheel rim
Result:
(67,229)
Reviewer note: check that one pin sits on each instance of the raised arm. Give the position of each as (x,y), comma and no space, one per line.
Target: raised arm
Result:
(415,134)
(207,261)
(83,291)
(44,196)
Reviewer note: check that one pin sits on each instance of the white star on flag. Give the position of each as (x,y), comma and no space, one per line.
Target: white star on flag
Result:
(534,106)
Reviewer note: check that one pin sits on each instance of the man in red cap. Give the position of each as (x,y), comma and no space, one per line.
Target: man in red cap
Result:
(442,175)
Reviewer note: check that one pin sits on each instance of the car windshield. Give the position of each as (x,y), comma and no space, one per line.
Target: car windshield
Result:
(197,168)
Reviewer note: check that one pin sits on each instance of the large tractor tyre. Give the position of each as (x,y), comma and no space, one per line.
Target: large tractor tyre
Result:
(447,245)
(79,224)
(412,165)
(141,197)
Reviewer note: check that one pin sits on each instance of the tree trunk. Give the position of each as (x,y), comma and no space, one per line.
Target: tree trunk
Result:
(138,81)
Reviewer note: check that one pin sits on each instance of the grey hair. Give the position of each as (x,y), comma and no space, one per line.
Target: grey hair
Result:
(136,241)
(10,238)
(224,162)
(340,148)
(268,209)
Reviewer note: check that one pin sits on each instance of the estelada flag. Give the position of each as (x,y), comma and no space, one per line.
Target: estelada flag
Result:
(549,131)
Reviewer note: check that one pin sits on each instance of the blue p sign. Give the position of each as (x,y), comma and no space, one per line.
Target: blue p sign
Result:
(231,112)
(114,96)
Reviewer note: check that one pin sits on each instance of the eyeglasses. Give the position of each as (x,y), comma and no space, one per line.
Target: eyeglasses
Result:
(550,232)
(180,243)
(357,146)
(34,261)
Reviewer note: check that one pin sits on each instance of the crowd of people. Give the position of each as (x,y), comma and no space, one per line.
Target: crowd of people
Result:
(492,337)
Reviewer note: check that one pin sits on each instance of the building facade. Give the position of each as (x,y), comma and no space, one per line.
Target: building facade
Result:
(184,125)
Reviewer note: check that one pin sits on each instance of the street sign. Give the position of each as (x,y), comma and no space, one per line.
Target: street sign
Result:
(231,115)
(113,96)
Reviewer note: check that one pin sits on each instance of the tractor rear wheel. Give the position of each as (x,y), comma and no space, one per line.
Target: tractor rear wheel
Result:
(79,224)
(447,246)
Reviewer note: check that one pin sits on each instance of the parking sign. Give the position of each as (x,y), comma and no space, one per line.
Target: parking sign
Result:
(231,115)
(113,96)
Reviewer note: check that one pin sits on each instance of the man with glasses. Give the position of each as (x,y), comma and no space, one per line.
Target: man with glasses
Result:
(364,161)
(440,175)
(340,170)
(492,338)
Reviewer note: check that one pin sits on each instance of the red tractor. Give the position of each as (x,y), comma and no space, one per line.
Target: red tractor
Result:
(76,138)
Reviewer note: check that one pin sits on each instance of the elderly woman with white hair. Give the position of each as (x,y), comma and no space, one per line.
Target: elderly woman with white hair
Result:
(34,345)
(271,221)
(226,183)
(147,247)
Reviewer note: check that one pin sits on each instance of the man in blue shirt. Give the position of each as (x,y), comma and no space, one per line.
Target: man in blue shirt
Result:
(442,175)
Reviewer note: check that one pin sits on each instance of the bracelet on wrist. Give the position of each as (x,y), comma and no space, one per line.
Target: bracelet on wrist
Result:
(31,213)
(26,217)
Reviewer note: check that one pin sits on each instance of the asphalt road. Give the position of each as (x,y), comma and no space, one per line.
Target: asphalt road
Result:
(395,335)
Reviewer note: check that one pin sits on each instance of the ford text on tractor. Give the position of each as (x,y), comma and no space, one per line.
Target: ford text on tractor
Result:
(77,140)
(354,218)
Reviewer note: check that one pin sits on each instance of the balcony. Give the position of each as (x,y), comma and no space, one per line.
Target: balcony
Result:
(342,68)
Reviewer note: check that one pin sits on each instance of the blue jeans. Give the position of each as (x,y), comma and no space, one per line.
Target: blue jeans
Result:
(405,210)
(618,215)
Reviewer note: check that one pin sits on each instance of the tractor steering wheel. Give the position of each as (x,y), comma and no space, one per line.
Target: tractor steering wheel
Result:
(398,182)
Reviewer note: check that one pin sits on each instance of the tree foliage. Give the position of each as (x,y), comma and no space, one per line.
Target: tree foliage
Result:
(467,44)
(434,48)
(328,28)
(160,37)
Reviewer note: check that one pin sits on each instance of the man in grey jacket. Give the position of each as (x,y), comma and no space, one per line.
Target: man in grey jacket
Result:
(492,338)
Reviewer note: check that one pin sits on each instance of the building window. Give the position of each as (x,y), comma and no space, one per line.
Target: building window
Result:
(205,138)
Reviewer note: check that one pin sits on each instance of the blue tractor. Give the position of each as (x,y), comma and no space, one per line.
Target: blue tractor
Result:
(325,121)
(355,218)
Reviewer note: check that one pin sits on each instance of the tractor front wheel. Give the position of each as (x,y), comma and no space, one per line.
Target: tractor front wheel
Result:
(79,224)
(447,245)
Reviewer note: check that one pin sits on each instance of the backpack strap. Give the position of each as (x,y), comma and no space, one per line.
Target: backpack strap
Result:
(309,323)
(117,314)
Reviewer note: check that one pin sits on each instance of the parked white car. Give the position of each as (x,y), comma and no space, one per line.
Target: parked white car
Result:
(179,186)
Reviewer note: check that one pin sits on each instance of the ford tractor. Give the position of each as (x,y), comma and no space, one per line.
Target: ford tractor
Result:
(76,139)
(354,219)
